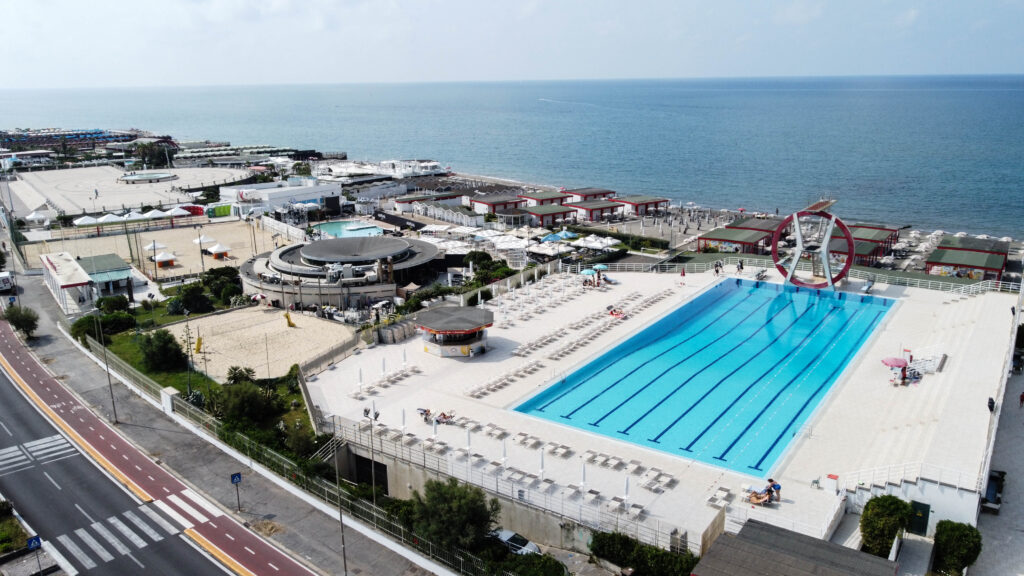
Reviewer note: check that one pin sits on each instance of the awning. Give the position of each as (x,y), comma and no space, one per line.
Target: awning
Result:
(111,276)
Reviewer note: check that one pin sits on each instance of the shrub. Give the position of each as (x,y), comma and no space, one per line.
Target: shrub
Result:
(193,298)
(162,352)
(957,546)
(881,521)
(23,319)
(117,322)
(147,305)
(453,514)
(649,560)
(175,306)
(84,326)
(111,304)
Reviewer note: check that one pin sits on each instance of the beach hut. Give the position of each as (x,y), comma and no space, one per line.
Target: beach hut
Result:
(219,251)
(164,259)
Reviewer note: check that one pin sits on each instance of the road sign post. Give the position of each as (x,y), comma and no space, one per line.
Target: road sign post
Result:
(236,479)
(34,543)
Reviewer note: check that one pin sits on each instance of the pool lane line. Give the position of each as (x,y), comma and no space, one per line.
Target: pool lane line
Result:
(78,439)
(801,374)
(637,350)
(747,362)
(709,365)
(633,371)
(841,365)
(794,350)
(676,365)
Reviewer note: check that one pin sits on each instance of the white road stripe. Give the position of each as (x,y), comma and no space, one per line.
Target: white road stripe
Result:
(143,526)
(274,567)
(6,429)
(110,538)
(249,550)
(47,440)
(54,482)
(230,537)
(200,519)
(8,473)
(127,532)
(172,513)
(75,551)
(59,558)
(158,520)
(207,507)
(84,513)
(92,543)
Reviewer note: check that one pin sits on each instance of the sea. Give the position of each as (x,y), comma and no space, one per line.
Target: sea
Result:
(924,152)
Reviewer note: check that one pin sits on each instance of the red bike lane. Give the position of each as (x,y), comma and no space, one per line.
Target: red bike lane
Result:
(220,535)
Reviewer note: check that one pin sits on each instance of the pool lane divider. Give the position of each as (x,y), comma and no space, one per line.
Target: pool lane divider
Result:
(71,432)
(803,341)
(677,364)
(825,382)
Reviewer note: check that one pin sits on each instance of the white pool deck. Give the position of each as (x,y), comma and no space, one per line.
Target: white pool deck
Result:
(938,428)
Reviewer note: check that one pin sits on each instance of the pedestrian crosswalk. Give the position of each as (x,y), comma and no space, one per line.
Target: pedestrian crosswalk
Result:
(133,530)
(17,458)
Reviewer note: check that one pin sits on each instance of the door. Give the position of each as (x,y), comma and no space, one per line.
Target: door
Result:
(919,520)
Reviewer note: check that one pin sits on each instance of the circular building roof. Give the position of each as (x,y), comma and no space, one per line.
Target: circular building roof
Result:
(354,250)
(455,320)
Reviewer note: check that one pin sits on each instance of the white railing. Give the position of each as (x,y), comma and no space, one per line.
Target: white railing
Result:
(740,514)
(288,231)
(896,474)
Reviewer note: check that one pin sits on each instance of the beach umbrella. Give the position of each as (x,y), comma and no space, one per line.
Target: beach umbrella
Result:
(178,211)
(960,234)
(154,245)
(1006,239)
(982,236)
(84,221)
(203,239)
(566,234)
(551,238)
(600,267)
(588,272)
(894,362)
(256,297)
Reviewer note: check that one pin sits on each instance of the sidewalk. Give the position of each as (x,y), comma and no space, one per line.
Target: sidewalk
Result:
(271,511)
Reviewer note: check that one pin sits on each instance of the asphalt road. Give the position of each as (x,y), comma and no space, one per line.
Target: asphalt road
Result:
(97,526)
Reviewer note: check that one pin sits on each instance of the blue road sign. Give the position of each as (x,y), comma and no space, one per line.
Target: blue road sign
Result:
(10,300)
(236,478)
(34,542)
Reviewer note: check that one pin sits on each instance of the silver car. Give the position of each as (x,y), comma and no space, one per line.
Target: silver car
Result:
(516,542)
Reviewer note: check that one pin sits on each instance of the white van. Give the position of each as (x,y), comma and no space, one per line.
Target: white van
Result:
(6,282)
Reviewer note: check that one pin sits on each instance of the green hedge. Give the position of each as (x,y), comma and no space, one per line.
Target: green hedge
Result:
(648,560)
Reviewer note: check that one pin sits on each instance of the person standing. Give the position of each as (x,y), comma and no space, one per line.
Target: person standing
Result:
(1022,399)
(776,490)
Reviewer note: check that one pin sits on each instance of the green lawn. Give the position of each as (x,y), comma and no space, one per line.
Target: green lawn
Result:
(125,346)
(12,536)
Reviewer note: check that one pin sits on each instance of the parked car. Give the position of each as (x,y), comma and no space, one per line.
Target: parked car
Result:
(515,542)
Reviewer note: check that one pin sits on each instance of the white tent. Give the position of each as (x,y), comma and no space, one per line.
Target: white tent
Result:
(37,216)
(154,245)
(84,221)
(219,249)
(154,214)
(178,211)
(165,257)
(203,239)
(109,219)
(133,217)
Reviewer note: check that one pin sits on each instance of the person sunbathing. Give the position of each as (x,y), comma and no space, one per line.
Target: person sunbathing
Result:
(761,497)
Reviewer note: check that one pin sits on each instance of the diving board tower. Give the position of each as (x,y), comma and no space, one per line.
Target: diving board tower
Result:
(815,234)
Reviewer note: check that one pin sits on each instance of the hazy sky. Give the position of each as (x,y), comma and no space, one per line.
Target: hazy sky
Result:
(75,43)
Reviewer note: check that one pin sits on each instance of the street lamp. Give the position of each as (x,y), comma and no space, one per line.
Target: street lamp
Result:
(106,363)
(188,345)
(371,414)
(337,488)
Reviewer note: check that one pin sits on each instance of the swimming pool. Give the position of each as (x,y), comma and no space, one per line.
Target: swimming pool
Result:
(727,379)
(349,229)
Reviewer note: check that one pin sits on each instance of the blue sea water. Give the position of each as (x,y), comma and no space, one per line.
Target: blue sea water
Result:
(931,152)
(727,379)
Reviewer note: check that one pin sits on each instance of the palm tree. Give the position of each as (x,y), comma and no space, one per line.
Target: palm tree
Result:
(239,374)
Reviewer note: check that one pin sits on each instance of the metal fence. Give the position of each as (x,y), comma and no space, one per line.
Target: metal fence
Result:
(327,359)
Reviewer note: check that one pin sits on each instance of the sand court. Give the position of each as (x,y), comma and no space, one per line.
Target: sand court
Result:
(259,337)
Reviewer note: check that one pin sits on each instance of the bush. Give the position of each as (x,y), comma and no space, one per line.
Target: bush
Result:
(147,305)
(84,326)
(957,546)
(111,304)
(117,322)
(194,299)
(648,560)
(453,514)
(244,404)
(23,319)
(175,307)
(162,352)
(881,521)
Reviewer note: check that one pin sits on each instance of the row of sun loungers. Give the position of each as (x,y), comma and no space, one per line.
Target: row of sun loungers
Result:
(529,347)
(361,392)
(504,380)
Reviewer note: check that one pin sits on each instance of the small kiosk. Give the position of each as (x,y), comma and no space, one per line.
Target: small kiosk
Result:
(455,331)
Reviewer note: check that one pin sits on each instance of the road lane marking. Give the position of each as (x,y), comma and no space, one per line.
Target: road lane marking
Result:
(172,513)
(230,537)
(249,550)
(143,526)
(6,429)
(127,532)
(59,558)
(200,519)
(52,481)
(158,520)
(77,552)
(203,503)
(151,478)
(110,538)
(141,565)
(94,545)
(272,566)
(217,553)
(165,489)
(87,517)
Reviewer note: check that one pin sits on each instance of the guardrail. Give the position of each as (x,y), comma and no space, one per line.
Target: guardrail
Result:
(908,472)
(458,560)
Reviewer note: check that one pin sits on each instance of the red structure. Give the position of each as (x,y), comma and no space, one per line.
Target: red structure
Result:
(820,251)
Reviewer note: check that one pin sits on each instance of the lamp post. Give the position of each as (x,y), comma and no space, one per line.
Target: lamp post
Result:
(337,487)
(188,345)
(371,414)
(106,363)
(202,260)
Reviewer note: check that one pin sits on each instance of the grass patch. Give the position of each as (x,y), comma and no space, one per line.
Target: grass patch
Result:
(125,346)
(12,535)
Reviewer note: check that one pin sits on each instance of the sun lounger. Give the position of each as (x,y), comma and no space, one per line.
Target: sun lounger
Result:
(592,496)
(613,463)
(589,455)
(634,511)
(551,447)
(520,438)
(572,490)
(634,467)
(548,485)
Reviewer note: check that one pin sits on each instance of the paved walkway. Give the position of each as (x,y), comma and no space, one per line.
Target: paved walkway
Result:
(1002,536)
(284,519)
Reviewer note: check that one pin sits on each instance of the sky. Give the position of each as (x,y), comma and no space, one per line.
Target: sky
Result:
(118,43)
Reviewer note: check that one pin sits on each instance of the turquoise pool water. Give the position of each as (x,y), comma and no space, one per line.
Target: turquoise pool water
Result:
(349,229)
(727,379)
